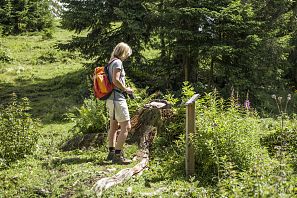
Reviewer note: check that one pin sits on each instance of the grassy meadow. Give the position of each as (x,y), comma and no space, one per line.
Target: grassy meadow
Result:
(54,82)
(238,154)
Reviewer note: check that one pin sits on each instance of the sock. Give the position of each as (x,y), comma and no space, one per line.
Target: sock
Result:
(118,151)
(111,149)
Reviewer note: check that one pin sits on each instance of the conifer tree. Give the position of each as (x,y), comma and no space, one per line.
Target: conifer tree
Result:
(106,23)
(228,43)
(18,16)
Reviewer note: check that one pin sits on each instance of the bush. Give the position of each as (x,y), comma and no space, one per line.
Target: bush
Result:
(47,34)
(283,139)
(18,131)
(225,132)
(266,178)
(91,117)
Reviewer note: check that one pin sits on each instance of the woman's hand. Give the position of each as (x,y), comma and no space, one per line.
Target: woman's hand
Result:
(129,90)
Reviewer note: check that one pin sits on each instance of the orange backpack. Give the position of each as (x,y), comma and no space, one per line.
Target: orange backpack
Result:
(102,84)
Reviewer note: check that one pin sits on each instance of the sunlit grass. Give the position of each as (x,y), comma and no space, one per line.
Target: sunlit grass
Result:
(52,80)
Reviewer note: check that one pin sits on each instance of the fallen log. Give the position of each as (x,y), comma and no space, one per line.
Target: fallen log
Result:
(120,177)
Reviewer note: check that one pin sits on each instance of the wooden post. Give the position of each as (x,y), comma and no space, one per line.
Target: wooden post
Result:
(190,129)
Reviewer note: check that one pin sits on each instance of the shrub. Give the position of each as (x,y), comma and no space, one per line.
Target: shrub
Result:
(283,139)
(140,98)
(265,178)
(18,131)
(91,117)
(47,34)
(224,131)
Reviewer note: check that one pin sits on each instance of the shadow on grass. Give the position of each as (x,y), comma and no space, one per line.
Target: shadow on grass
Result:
(76,160)
(72,160)
(84,141)
(49,99)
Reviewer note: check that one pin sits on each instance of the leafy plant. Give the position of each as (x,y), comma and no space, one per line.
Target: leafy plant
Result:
(18,131)
(91,117)
(283,141)
(265,178)
(224,131)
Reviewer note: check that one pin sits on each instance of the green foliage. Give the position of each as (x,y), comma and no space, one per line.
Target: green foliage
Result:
(18,131)
(224,131)
(283,138)
(187,91)
(54,80)
(48,56)
(107,23)
(141,98)
(220,44)
(4,56)
(229,152)
(265,178)
(55,86)
(24,16)
(91,118)
(47,34)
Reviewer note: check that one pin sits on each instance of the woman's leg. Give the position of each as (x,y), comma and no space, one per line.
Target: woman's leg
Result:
(118,157)
(112,133)
(125,128)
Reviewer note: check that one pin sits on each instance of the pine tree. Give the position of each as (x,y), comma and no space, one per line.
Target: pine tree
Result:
(227,43)
(24,16)
(106,23)
(232,43)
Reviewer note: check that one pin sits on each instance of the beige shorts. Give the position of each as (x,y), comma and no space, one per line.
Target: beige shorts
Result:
(121,110)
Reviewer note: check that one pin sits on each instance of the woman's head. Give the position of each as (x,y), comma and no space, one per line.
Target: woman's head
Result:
(122,51)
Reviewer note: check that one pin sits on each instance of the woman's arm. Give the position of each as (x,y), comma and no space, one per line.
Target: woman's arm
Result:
(117,82)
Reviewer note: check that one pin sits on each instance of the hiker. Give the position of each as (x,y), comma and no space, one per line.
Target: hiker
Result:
(117,106)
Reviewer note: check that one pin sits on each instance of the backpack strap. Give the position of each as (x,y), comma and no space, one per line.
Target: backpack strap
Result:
(107,72)
(106,68)
(113,106)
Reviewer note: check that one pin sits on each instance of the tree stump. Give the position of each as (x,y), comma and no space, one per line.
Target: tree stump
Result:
(146,123)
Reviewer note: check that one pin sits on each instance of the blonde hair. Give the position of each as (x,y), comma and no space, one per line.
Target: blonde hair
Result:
(122,51)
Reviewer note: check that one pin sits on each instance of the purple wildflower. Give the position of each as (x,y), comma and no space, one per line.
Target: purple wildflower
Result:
(247,104)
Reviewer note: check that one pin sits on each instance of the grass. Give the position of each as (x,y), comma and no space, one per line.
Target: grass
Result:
(50,172)
(55,83)
(52,80)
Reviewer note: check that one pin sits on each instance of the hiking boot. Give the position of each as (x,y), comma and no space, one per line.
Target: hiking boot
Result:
(110,156)
(119,159)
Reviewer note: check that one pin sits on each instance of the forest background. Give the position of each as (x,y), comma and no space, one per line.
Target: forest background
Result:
(239,55)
